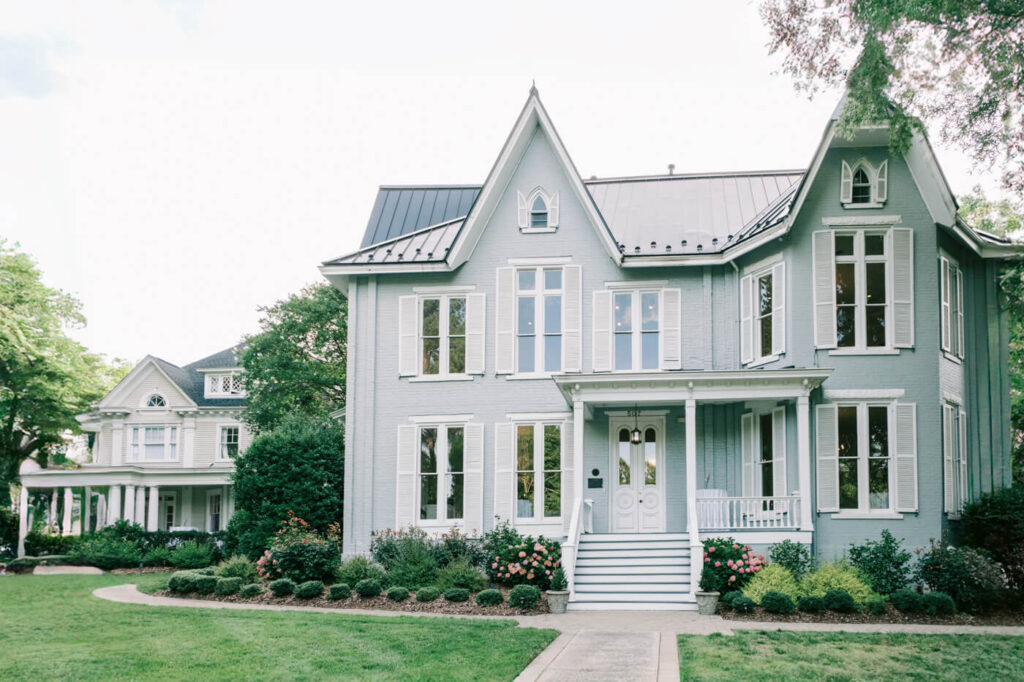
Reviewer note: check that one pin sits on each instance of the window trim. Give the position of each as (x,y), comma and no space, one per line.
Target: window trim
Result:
(863,509)
(951,276)
(538,471)
(526,202)
(441,448)
(954,409)
(136,449)
(873,173)
(218,377)
(168,500)
(539,320)
(443,334)
(860,261)
(155,408)
(636,332)
(221,428)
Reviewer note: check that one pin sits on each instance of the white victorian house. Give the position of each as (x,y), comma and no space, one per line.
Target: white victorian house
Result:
(163,447)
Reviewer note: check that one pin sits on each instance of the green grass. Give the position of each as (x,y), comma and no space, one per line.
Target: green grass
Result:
(52,627)
(781,655)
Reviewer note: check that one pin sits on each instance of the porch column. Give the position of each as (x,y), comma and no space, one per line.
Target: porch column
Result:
(22,519)
(69,502)
(113,505)
(86,511)
(101,511)
(154,508)
(692,527)
(140,505)
(578,416)
(129,503)
(803,448)
(52,519)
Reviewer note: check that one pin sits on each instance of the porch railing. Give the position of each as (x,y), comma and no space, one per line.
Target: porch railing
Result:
(580,522)
(748,513)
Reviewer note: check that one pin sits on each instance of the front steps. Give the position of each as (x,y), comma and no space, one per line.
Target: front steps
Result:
(634,571)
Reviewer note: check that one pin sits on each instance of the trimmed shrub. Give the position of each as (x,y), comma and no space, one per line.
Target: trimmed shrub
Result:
(837,576)
(907,601)
(456,594)
(771,578)
(454,545)
(777,602)
(876,607)
(43,544)
(359,568)
(191,554)
(182,581)
(743,604)
(425,594)
(251,590)
(811,604)
(282,587)
(311,589)
(972,579)
(524,596)
(724,559)
(727,598)
(237,567)
(514,559)
(793,556)
(368,588)
(460,573)
(205,584)
(398,593)
(339,591)
(884,563)
(158,556)
(205,571)
(490,598)
(841,601)
(995,523)
(107,553)
(414,568)
(939,604)
(227,586)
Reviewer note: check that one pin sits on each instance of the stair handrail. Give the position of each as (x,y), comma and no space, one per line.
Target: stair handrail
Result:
(571,545)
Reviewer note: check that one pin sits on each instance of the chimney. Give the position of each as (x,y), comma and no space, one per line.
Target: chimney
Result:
(671,169)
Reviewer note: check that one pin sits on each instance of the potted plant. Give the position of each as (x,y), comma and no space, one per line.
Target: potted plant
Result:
(558,595)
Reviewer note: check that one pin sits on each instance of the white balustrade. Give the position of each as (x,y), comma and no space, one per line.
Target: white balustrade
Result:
(748,513)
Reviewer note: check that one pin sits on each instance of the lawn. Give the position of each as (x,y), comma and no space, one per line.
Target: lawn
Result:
(52,627)
(780,655)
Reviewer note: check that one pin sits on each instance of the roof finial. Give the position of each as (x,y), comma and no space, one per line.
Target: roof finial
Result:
(533,87)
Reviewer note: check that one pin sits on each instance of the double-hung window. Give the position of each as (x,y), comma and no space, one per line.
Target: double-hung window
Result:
(443,335)
(636,330)
(228,445)
(861,289)
(952,296)
(538,471)
(954,455)
(762,313)
(441,473)
(154,443)
(865,471)
(538,320)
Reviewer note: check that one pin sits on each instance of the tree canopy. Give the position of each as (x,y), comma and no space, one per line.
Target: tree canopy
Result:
(957,64)
(46,377)
(296,363)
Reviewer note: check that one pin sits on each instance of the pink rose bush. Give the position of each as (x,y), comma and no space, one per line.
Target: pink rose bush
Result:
(728,565)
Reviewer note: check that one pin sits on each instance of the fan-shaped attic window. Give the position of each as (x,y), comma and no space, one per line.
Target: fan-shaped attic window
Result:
(539,212)
(156,400)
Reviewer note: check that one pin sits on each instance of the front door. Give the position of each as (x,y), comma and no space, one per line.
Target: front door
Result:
(638,496)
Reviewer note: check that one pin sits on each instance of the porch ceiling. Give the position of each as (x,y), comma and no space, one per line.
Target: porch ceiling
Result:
(674,388)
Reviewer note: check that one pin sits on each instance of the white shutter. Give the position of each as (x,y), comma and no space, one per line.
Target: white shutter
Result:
(671,329)
(903,287)
(747,449)
(882,183)
(476,323)
(963,459)
(947,459)
(960,312)
(906,457)
(408,336)
(568,474)
(504,322)
(827,452)
(553,211)
(845,185)
(944,319)
(572,319)
(778,309)
(524,212)
(824,268)
(504,471)
(405,492)
(747,319)
(602,352)
(779,452)
(473,484)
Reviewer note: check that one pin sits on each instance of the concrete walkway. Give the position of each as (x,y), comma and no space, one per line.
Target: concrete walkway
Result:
(594,645)
(66,570)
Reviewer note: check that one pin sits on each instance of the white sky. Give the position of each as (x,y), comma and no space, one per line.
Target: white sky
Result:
(176,163)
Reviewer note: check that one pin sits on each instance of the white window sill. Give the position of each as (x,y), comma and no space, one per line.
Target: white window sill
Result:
(864,351)
(762,361)
(953,358)
(431,524)
(538,230)
(530,377)
(858,515)
(441,377)
(870,204)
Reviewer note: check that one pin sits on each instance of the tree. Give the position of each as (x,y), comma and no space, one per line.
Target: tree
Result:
(956,63)
(299,466)
(46,378)
(296,363)
(1005,218)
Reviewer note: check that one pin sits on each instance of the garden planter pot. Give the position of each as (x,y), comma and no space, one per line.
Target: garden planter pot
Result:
(557,600)
(707,602)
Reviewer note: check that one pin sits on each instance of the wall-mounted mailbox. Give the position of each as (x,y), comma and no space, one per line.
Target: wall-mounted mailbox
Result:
(595,482)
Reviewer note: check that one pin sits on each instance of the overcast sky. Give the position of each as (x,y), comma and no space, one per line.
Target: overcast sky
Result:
(177,163)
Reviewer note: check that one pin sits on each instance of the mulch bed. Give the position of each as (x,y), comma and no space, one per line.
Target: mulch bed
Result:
(410,605)
(892,615)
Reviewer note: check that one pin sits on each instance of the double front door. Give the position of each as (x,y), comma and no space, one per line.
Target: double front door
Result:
(638,490)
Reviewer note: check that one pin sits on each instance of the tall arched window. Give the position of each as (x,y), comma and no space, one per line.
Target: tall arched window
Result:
(156,400)
(539,212)
(861,187)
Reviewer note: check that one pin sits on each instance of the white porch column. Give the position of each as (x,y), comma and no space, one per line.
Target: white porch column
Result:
(185,514)
(140,505)
(22,520)
(51,520)
(154,508)
(803,449)
(188,441)
(101,511)
(578,417)
(692,527)
(117,442)
(129,503)
(114,505)
(86,512)
(69,502)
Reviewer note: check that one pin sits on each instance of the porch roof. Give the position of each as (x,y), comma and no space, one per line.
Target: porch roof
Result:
(670,388)
(96,476)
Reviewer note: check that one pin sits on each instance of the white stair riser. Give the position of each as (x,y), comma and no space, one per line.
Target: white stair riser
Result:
(631,606)
(634,537)
(634,547)
(673,588)
(612,569)
(588,553)
(639,563)
(620,580)
(645,597)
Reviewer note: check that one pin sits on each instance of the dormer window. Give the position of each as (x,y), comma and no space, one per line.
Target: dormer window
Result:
(538,211)
(864,186)
(227,385)
(156,400)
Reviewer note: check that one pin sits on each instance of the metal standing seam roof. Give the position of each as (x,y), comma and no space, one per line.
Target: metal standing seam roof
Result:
(400,210)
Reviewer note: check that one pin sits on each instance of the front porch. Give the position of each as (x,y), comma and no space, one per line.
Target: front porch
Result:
(686,456)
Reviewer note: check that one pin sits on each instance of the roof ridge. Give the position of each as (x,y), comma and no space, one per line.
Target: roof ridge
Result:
(694,176)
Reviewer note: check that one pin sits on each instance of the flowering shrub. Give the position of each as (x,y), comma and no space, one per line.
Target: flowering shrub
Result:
(300,553)
(972,579)
(525,562)
(728,565)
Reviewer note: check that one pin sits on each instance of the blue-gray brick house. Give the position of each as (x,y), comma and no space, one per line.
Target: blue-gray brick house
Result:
(633,364)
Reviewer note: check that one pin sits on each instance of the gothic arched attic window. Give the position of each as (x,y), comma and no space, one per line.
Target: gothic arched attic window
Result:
(156,400)
(864,186)
(538,211)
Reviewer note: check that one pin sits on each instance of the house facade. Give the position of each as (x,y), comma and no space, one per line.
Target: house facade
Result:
(633,364)
(163,447)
